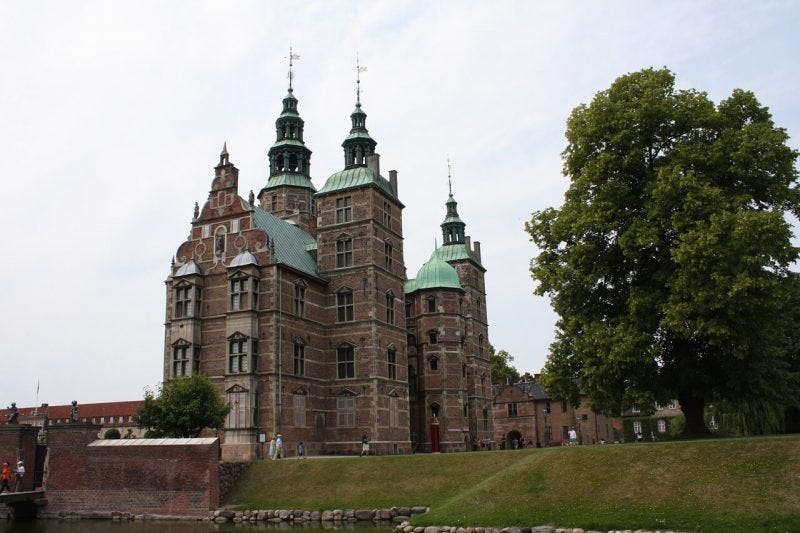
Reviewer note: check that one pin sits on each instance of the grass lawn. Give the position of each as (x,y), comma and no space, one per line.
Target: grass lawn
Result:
(706,485)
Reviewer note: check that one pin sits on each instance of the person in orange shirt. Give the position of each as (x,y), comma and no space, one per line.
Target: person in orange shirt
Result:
(5,477)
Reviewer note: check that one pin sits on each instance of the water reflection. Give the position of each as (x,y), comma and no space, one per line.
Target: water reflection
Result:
(98,526)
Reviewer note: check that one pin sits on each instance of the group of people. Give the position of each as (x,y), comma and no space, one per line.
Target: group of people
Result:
(5,477)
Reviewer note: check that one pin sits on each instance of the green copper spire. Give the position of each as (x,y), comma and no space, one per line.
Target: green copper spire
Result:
(358,145)
(289,158)
(453,226)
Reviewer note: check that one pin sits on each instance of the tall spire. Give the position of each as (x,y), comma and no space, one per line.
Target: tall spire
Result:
(358,145)
(289,159)
(453,226)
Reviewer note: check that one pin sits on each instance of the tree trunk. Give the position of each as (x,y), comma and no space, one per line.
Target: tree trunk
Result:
(693,410)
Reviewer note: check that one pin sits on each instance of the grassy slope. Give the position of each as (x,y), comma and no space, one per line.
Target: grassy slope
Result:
(710,485)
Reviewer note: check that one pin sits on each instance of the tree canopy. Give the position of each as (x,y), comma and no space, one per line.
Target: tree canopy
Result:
(502,371)
(669,261)
(183,408)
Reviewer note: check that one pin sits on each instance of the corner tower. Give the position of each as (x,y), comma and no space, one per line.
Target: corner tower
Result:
(360,252)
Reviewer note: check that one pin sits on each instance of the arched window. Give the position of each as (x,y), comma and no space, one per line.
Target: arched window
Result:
(387,255)
(434,363)
(239,400)
(434,410)
(299,357)
(433,337)
(219,242)
(300,297)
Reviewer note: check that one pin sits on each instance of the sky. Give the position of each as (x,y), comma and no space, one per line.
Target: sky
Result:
(113,115)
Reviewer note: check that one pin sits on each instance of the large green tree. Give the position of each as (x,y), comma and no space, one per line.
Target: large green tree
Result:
(668,262)
(502,371)
(182,408)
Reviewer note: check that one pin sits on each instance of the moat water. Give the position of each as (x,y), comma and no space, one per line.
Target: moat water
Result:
(101,526)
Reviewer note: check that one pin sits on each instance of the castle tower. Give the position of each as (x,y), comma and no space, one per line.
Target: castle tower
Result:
(360,252)
(449,369)
(288,193)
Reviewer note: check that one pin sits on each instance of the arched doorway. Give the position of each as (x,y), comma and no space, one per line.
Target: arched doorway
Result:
(513,439)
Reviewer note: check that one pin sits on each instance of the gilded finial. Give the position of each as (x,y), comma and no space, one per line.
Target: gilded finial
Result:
(292,57)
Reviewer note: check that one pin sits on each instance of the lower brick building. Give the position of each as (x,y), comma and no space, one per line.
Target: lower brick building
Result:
(524,412)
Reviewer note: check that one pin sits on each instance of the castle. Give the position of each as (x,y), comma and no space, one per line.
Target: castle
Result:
(299,308)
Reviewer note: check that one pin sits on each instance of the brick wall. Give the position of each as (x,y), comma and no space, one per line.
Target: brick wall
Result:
(18,443)
(140,476)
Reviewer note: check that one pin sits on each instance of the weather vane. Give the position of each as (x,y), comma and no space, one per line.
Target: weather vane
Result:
(359,70)
(292,57)
(449,180)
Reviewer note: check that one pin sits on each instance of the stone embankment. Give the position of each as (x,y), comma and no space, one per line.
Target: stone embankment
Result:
(392,515)
(405,527)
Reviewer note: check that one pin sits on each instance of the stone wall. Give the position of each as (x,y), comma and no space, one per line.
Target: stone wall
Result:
(229,474)
(18,442)
(140,476)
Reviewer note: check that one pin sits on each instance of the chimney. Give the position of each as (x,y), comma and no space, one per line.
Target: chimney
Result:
(374,164)
(478,250)
(468,243)
(393,181)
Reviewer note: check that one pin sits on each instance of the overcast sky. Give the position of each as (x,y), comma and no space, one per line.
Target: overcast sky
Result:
(112,116)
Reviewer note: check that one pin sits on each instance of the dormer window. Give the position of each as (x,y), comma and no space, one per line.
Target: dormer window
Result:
(187,300)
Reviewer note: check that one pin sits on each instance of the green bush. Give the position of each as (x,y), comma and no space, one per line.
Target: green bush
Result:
(112,433)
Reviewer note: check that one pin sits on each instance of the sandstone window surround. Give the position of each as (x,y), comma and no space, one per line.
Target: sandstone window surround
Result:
(344,305)
(344,209)
(344,251)
(185,358)
(187,300)
(242,353)
(345,362)
(346,409)
(239,399)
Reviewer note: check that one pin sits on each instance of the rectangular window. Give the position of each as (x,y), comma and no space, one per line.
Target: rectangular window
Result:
(563,406)
(390,308)
(344,209)
(238,294)
(346,412)
(485,419)
(344,306)
(182,301)
(274,203)
(394,415)
(237,416)
(387,255)
(299,300)
(206,231)
(344,253)
(345,362)
(237,356)
(662,425)
(408,308)
(512,409)
(235,225)
(180,361)
(198,297)
(299,405)
(387,214)
(431,305)
(392,359)
(637,426)
(299,359)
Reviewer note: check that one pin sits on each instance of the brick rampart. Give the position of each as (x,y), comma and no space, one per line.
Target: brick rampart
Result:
(138,476)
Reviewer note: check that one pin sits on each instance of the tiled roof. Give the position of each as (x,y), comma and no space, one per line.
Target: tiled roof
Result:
(88,410)
(531,388)
(292,244)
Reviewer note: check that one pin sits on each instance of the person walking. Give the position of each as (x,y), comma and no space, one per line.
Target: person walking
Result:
(364,445)
(301,450)
(19,475)
(272,448)
(279,446)
(5,478)
(573,437)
